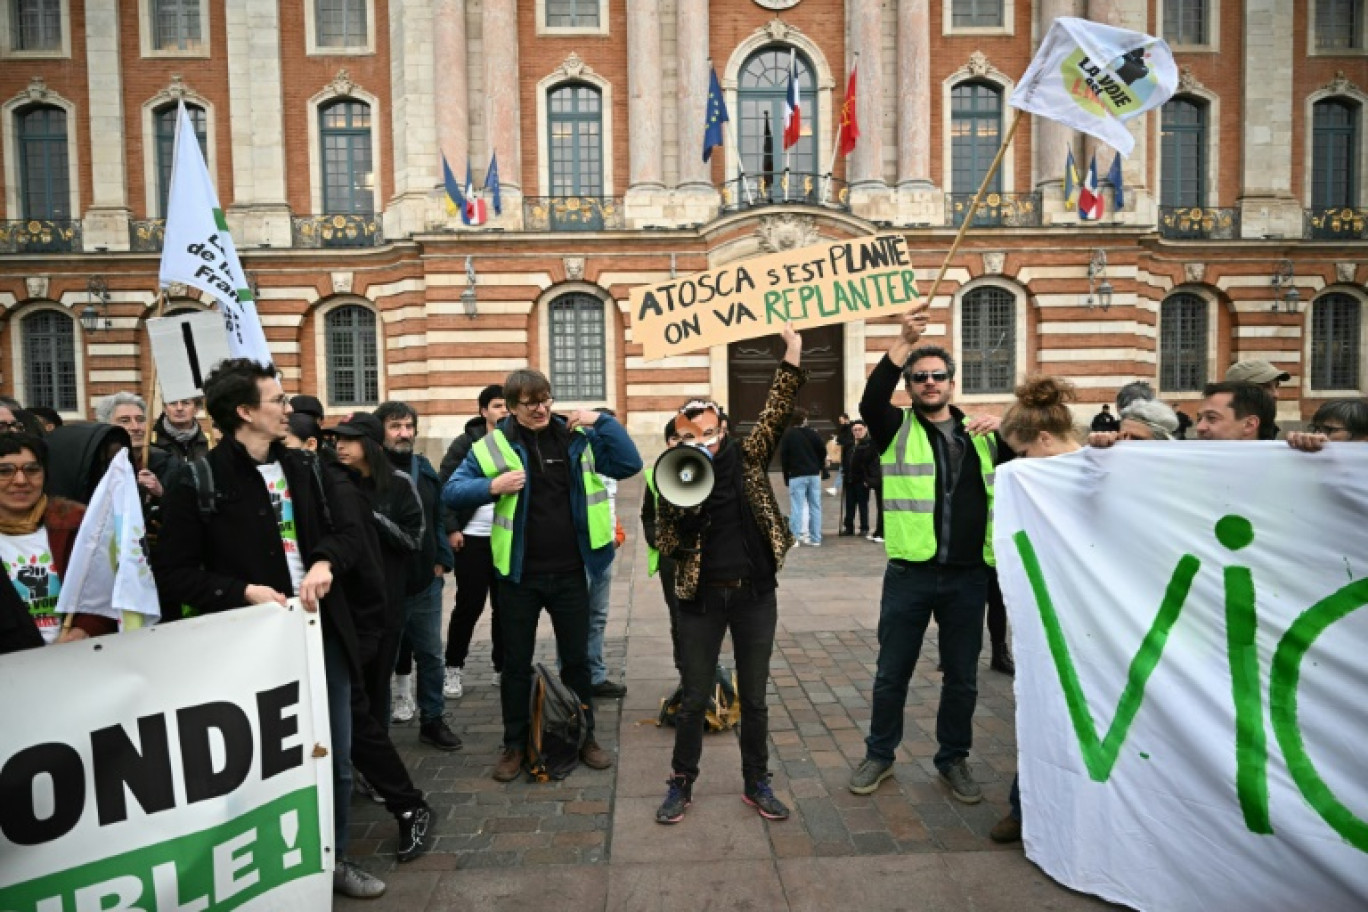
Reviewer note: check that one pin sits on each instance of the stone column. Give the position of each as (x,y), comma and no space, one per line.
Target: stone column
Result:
(259,213)
(865,39)
(416,166)
(105,222)
(1053,139)
(1267,204)
(503,110)
(692,32)
(1140,203)
(453,105)
(643,99)
(914,95)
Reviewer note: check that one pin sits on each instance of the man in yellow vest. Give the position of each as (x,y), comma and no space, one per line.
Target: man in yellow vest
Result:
(937,469)
(552,522)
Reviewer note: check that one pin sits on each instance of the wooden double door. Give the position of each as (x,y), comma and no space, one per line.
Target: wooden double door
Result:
(751,365)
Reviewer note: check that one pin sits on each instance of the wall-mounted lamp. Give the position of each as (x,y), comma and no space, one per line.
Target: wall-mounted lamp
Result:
(468,299)
(95,315)
(1285,294)
(1099,293)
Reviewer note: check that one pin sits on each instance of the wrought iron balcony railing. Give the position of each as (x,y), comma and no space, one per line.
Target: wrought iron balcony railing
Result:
(336,230)
(1199,223)
(146,235)
(1338,223)
(996,210)
(40,236)
(778,189)
(572,213)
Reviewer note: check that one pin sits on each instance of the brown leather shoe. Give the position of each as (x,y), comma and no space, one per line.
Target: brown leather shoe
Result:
(1006,830)
(594,756)
(509,765)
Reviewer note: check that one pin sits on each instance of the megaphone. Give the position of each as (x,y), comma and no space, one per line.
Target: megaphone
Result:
(684,475)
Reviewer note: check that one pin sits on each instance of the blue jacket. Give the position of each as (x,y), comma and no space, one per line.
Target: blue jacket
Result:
(615,455)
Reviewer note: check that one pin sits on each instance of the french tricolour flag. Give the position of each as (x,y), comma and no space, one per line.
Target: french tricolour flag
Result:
(1090,205)
(475,212)
(793,114)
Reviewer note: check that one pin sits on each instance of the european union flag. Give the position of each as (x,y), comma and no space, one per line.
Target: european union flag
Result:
(1114,178)
(491,183)
(717,116)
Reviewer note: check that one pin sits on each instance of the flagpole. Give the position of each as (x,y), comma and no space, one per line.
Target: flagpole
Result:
(840,128)
(740,164)
(973,208)
(153,397)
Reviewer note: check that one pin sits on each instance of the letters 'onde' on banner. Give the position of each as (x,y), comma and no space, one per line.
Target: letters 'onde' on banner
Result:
(827,283)
(1189,629)
(178,767)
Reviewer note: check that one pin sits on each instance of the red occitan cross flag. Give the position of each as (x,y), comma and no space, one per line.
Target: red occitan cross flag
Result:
(850,124)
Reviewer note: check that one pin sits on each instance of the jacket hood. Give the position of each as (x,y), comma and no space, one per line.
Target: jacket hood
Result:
(475,427)
(77,457)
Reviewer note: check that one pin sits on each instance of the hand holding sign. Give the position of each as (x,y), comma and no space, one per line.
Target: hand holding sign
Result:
(794,352)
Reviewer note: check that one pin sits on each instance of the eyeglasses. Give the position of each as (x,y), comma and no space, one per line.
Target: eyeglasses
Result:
(8,470)
(1326,429)
(9,427)
(282,400)
(537,405)
(923,376)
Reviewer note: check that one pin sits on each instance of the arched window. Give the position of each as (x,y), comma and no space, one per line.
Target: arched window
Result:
(44,181)
(1335,352)
(49,346)
(1334,154)
(578,348)
(1183,343)
(575,142)
(176,25)
(988,341)
(164,123)
(975,134)
(353,363)
(348,175)
(1182,150)
(762,87)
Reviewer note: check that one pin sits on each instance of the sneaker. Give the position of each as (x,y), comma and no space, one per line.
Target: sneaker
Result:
(1002,660)
(402,707)
(760,796)
(352,882)
(451,686)
(509,765)
(438,734)
(961,782)
(595,757)
(867,776)
(813,543)
(843,533)
(677,799)
(609,690)
(413,833)
(363,788)
(876,538)
(831,492)
(1006,830)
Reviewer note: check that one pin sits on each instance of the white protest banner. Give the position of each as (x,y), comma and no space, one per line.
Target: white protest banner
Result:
(173,768)
(199,251)
(186,348)
(1095,77)
(835,282)
(1190,647)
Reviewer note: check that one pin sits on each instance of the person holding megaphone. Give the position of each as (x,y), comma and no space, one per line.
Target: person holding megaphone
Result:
(718,519)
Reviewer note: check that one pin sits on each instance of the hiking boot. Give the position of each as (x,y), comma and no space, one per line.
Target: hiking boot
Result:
(677,799)
(451,683)
(1002,660)
(961,782)
(595,757)
(609,690)
(509,765)
(760,796)
(352,882)
(414,841)
(1006,830)
(439,735)
(867,776)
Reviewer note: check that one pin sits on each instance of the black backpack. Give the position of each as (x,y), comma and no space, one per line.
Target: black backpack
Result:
(558,729)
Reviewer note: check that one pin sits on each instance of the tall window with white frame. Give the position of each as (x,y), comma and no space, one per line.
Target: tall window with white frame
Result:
(1339,25)
(176,25)
(975,134)
(976,13)
(583,14)
(35,25)
(353,365)
(48,338)
(1335,341)
(340,23)
(987,341)
(44,179)
(575,127)
(1334,154)
(164,125)
(1182,343)
(1185,21)
(762,87)
(578,348)
(348,175)
(1182,150)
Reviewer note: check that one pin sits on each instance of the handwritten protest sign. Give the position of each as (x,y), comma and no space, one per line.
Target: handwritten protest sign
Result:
(835,282)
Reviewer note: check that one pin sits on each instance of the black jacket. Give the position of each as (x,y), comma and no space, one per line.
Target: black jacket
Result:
(801,453)
(177,453)
(398,518)
(864,464)
(434,548)
(456,520)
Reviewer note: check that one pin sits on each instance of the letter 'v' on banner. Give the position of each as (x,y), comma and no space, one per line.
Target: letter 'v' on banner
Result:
(198,250)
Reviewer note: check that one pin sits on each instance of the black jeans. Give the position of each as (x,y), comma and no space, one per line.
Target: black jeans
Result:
(374,756)
(378,653)
(856,498)
(912,593)
(751,618)
(474,570)
(565,596)
(667,586)
(997,612)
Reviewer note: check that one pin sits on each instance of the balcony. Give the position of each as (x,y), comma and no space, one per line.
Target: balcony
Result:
(797,188)
(1196,223)
(1340,223)
(40,236)
(996,210)
(572,213)
(337,230)
(146,235)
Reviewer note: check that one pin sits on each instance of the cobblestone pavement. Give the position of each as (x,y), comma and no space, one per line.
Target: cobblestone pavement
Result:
(591,842)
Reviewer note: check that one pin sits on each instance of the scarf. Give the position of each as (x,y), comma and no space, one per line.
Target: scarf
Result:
(25,525)
(181,436)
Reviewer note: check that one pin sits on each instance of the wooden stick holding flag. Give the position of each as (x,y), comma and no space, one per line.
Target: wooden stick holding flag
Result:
(847,132)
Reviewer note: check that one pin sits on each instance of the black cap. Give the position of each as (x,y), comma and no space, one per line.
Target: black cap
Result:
(361,424)
(309,405)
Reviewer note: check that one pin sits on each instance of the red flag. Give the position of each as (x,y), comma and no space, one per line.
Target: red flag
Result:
(850,125)
(793,113)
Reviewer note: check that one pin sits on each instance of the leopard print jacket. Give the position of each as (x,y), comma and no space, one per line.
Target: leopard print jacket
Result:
(756,452)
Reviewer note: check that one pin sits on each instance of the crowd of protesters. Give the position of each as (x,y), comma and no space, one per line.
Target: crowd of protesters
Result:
(522,512)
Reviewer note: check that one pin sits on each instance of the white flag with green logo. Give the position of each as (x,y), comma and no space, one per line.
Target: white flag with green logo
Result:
(199,250)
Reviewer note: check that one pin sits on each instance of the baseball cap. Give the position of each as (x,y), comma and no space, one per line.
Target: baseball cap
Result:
(361,424)
(307,404)
(1256,371)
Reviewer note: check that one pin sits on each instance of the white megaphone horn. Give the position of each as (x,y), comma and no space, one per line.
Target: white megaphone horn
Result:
(684,475)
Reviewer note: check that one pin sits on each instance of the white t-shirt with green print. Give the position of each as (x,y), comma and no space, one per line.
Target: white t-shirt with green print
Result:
(279,489)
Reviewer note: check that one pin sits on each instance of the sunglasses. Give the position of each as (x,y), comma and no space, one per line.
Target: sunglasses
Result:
(923,376)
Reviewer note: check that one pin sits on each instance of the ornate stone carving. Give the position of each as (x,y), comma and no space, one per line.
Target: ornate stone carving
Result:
(574,269)
(778,30)
(993,262)
(342,84)
(1187,82)
(1340,84)
(1345,272)
(574,67)
(38,91)
(177,290)
(786,232)
(37,286)
(342,282)
(978,64)
(177,88)
(1194,272)
(177,91)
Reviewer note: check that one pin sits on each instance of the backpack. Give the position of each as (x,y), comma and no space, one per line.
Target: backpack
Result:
(207,495)
(558,730)
(723,711)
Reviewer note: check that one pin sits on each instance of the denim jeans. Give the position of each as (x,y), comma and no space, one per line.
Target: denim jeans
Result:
(912,594)
(805,506)
(565,596)
(338,672)
(751,618)
(474,573)
(423,631)
(600,588)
